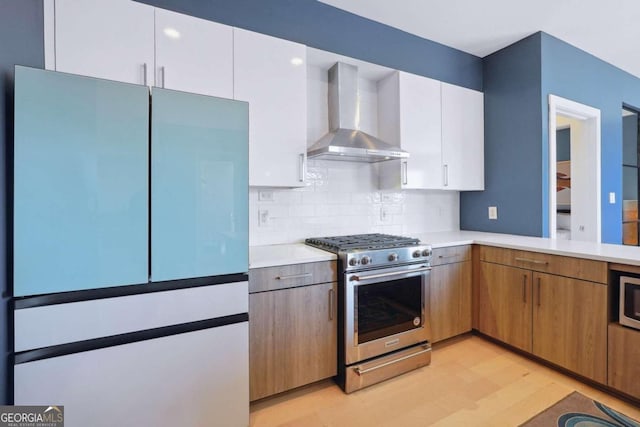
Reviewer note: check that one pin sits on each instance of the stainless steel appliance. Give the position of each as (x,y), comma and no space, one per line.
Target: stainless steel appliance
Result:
(630,301)
(383,288)
(345,141)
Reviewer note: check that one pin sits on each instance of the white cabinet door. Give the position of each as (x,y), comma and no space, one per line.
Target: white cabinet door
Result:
(110,39)
(198,378)
(409,116)
(270,74)
(193,55)
(462,138)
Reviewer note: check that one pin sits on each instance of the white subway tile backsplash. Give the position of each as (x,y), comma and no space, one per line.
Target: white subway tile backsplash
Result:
(342,198)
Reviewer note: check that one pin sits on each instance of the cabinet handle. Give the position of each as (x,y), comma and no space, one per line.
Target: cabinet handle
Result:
(539,294)
(524,288)
(144,74)
(445,169)
(302,167)
(331,298)
(163,74)
(405,178)
(532,261)
(425,349)
(294,276)
(448,256)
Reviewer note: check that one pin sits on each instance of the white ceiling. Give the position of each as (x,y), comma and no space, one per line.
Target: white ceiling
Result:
(609,30)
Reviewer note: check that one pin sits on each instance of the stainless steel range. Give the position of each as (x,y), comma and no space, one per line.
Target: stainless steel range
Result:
(383,288)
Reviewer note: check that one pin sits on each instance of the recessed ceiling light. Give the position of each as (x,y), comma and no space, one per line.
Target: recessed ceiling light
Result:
(297,61)
(172,33)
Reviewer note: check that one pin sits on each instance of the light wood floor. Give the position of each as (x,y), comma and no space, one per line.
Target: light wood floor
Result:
(470,382)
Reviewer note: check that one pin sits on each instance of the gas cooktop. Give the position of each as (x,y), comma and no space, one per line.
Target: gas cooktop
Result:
(361,242)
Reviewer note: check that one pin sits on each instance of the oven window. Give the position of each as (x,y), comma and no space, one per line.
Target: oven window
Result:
(632,301)
(387,308)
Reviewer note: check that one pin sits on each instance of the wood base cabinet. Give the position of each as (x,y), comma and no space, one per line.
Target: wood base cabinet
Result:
(450,292)
(292,338)
(570,324)
(560,319)
(504,299)
(624,354)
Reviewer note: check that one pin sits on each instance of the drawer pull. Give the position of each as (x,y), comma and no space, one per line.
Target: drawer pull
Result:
(426,349)
(533,261)
(448,256)
(294,276)
(524,288)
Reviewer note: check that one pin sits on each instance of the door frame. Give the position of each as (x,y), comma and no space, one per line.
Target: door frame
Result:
(592,121)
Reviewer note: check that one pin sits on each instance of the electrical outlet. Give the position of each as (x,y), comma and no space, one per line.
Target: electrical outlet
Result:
(265,196)
(493,212)
(263,218)
(386,197)
(612,198)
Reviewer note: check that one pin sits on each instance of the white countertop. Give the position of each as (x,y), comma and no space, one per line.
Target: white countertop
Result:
(297,253)
(573,248)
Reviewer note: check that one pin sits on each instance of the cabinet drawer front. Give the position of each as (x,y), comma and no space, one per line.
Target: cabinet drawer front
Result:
(451,254)
(290,276)
(594,271)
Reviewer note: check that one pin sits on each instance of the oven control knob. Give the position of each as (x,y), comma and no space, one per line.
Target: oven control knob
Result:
(353,262)
(393,257)
(426,252)
(417,254)
(365,260)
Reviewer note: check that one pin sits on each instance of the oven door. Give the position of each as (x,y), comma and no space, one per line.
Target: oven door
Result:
(630,301)
(385,310)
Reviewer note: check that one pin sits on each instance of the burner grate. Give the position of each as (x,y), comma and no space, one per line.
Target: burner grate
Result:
(361,241)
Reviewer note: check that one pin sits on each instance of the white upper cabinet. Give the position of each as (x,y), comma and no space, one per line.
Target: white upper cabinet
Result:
(442,128)
(409,116)
(462,138)
(193,55)
(131,42)
(110,39)
(271,75)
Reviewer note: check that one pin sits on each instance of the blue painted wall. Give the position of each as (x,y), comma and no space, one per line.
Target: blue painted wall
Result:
(517,179)
(325,27)
(563,145)
(574,74)
(21,41)
(512,144)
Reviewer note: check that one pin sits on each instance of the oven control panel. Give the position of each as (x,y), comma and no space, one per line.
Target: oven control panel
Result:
(376,258)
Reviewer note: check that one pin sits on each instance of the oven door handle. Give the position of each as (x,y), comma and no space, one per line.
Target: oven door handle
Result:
(355,278)
(425,349)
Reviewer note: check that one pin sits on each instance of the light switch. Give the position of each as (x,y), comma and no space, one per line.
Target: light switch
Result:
(612,198)
(493,212)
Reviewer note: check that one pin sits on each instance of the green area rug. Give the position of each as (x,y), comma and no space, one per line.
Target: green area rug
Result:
(577,410)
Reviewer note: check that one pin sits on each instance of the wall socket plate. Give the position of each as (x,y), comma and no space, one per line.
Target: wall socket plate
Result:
(612,198)
(493,212)
(265,196)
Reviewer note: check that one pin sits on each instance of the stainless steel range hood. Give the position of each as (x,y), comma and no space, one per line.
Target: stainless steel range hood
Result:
(345,141)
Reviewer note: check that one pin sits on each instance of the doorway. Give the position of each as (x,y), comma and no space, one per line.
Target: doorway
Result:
(630,176)
(574,177)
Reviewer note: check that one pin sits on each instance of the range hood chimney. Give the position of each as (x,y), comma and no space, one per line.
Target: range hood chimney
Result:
(345,141)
